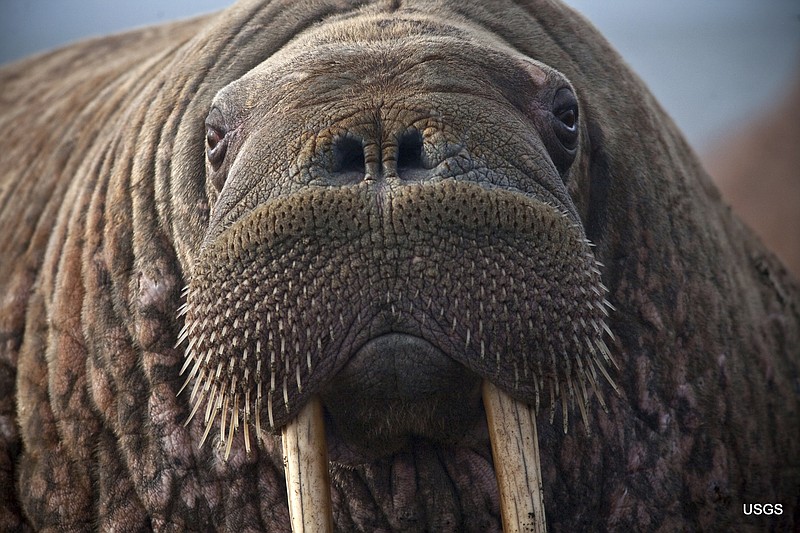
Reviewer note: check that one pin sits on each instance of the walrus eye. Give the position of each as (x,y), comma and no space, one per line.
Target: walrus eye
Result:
(565,111)
(569,119)
(562,139)
(215,145)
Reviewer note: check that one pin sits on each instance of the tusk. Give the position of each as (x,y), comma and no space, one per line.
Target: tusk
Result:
(305,460)
(515,450)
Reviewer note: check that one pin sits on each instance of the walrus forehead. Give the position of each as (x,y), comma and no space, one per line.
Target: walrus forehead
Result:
(390,56)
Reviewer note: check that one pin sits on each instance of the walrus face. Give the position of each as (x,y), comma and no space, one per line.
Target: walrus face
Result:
(391,226)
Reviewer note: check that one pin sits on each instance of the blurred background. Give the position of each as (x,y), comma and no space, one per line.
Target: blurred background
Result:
(727,71)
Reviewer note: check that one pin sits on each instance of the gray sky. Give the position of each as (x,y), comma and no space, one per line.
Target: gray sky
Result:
(712,63)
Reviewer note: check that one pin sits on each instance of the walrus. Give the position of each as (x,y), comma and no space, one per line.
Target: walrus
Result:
(373,246)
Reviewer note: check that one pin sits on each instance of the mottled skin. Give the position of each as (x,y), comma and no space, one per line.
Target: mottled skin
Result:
(108,208)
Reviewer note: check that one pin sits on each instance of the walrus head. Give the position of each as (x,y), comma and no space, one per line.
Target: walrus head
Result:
(391,225)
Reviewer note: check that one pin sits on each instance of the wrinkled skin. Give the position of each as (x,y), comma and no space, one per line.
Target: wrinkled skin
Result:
(393,186)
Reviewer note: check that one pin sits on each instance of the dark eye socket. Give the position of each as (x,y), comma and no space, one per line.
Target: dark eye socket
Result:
(564,129)
(216,144)
(565,112)
(213,137)
(569,118)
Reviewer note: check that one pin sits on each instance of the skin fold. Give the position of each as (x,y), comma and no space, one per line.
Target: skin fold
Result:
(380,204)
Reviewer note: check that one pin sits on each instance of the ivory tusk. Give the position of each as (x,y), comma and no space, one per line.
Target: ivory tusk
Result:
(515,450)
(305,460)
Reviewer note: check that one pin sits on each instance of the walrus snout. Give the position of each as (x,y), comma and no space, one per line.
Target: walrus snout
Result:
(395,388)
(281,300)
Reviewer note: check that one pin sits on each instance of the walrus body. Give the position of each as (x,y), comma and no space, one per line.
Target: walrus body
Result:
(394,202)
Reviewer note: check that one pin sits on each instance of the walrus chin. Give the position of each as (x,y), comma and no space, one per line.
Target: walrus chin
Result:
(411,262)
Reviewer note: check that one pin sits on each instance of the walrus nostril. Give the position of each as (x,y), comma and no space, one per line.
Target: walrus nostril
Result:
(409,153)
(348,156)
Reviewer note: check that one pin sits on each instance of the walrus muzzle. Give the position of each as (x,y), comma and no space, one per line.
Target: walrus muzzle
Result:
(502,284)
